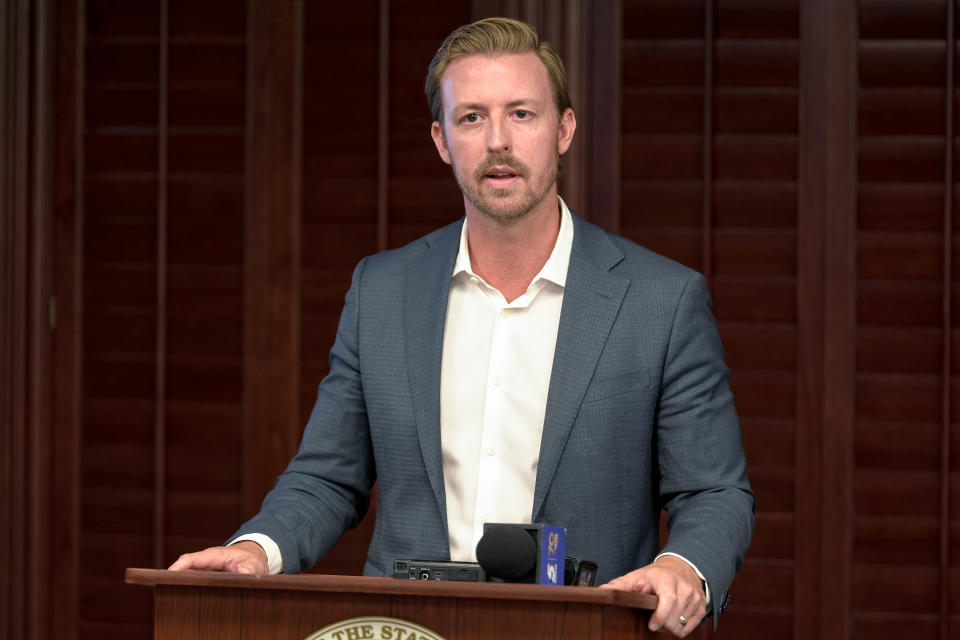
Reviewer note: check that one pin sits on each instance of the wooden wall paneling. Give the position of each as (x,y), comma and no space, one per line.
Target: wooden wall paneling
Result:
(160,332)
(826,294)
(271,418)
(602,149)
(423,194)
(947,359)
(903,134)
(706,172)
(383,122)
(38,364)
(709,178)
(14,313)
(119,420)
(67,287)
(659,139)
(345,206)
(340,172)
(205,221)
(750,253)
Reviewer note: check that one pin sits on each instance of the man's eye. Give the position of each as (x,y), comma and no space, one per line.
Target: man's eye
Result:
(523,114)
(471,117)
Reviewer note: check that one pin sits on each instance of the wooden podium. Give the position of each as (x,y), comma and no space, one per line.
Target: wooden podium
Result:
(193,605)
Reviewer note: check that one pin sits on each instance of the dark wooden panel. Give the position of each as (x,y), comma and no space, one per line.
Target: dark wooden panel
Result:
(207,65)
(663,204)
(661,111)
(114,199)
(765,393)
(120,19)
(122,63)
(898,159)
(206,107)
(917,19)
(768,442)
(204,197)
(206,290)
(210,19)
(901,398)
(894,349)
(651,19)
(900,255)
(897,445)
(758,346)
(901,63)
(895,303)
(773,537)
(198,153)
(888,589)
(754,19)
(901,111)
(909,494)
(662,63)
(756,63)
(766,583)
(896,540)
(661,157)
(121,242)
(206,243)
(755,204)
(120,153)
(764,111)
(122,107)
(742,252)
(893,626)
(759,158)
(900,206)
(754,299)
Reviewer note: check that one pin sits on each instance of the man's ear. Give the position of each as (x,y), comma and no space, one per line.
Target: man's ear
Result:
(568,124)
(436,132)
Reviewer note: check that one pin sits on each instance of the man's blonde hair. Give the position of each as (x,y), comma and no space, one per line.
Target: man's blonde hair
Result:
(491,37)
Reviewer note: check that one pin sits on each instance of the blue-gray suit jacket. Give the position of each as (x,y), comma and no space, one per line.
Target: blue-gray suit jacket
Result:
(639,416)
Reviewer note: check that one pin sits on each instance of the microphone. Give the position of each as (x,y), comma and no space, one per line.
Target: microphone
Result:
(529,553)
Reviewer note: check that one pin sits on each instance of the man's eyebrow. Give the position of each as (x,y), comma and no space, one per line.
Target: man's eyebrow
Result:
(477,106)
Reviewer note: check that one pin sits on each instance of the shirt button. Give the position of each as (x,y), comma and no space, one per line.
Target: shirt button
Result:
(496,381)
(504,314)
(491,451)
(474,279)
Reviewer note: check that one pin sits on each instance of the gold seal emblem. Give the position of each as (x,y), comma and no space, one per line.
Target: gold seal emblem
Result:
(374,628)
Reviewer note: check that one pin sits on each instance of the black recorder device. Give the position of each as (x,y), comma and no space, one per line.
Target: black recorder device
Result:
(434,570)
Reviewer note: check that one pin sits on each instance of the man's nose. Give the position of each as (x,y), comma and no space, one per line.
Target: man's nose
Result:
(498,137)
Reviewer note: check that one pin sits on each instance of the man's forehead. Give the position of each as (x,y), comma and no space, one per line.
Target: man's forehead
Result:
(483,73)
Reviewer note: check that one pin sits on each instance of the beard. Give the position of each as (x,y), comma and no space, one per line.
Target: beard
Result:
(505,205)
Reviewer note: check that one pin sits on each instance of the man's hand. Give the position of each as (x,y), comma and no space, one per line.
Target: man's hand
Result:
(243,557)
(678,588)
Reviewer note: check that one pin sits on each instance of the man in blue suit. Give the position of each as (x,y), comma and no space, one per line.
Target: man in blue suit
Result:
(518,365)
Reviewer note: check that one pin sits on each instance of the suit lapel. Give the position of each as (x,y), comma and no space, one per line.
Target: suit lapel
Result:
(591,302)
(425,312)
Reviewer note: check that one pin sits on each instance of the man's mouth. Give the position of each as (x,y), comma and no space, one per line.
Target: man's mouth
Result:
(500,174)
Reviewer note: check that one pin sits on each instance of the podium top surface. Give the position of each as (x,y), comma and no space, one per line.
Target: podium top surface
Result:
(391,586)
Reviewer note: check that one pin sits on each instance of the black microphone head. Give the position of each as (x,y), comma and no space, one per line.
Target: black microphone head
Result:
(507,551)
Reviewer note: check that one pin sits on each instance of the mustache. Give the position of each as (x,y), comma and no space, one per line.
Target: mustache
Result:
(501,160)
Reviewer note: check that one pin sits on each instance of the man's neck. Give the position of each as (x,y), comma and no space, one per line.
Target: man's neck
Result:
(509,254)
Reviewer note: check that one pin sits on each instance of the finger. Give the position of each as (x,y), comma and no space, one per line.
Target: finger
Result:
(212,559)
(667,613)
(637,581)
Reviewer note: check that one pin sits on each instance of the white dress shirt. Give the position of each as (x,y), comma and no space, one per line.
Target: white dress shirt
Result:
(497,359)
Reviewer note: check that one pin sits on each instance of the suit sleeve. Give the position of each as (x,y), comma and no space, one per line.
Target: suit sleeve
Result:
(325,489)
(703,483)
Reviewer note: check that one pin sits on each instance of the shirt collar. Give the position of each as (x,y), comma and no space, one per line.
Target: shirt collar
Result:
(554,270)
